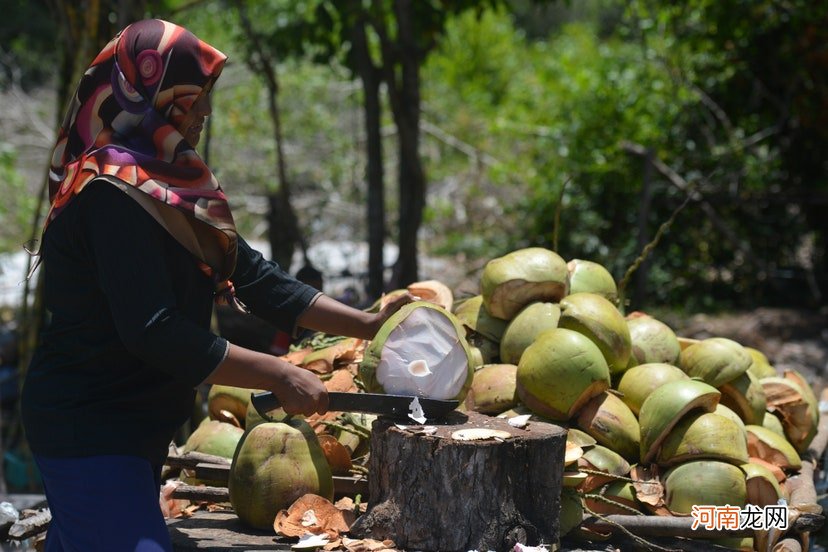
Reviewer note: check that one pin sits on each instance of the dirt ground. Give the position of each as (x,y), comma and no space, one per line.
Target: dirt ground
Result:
(791,339)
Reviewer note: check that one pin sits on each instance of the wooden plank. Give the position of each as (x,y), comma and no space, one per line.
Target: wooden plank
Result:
(221,532)
(201,493)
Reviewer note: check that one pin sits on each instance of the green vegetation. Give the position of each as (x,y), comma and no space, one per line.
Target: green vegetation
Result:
(537,120)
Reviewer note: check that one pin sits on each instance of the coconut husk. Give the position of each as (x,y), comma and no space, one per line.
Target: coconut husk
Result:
(337,455)
(324,361)
(314,514)
(648,488)
(341,380)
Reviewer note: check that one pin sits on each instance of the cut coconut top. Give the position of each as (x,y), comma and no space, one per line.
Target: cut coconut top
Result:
(423,356)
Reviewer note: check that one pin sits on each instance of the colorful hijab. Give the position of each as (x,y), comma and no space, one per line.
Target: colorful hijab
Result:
(122,127)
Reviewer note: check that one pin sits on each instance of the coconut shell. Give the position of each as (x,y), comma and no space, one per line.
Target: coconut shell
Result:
(600,458)
(560,372)
(525,327)
(599,320)
(638,382)
(591,277)
(572,511)
(652,340)
(745,396)
(433,291)
(796,408)
(493,389)
(760,365)
(704,436)
(228,399)
(762,487)
(617,497)
(612,423)
(716,360)
(666,406)
(474,315)
(524,276)
(773,448)
(704,482)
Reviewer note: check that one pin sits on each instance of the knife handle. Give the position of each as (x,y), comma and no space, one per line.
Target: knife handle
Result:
(264,402)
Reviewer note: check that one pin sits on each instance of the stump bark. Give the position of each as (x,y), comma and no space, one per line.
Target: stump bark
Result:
(434,492)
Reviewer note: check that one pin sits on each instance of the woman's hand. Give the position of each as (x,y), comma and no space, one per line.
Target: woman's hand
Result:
(332,317)
(393,305)
(300,391)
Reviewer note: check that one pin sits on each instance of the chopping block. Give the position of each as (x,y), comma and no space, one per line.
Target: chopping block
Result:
(439,488)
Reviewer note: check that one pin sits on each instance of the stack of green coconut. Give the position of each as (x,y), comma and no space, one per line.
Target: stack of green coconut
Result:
(710,421)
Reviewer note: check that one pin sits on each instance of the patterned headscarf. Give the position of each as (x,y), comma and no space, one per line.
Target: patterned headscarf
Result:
(122,127)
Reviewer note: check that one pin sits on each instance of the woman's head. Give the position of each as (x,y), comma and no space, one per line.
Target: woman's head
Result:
(134,120)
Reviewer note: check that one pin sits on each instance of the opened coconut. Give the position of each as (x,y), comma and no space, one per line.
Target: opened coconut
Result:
(772,448)
(762,487)
(275,464)
(420,350)
(745,396)
(493,389)
(638,382)
(599,320)
(560,372)
(791,399)
(524,327)
(227,403)
(591,277)
(214,437)
(601,459)
(652,340)
(760,365)
(525,276)
(474,315)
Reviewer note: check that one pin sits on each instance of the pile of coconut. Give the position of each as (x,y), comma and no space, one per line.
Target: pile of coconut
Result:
(657,423)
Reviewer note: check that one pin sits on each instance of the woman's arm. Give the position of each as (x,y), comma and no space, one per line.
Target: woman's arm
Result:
(330,316)
(299,391)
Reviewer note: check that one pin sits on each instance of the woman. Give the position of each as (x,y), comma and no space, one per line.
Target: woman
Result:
(137,244)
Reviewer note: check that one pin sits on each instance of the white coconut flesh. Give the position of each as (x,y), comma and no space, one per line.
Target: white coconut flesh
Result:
(423,356)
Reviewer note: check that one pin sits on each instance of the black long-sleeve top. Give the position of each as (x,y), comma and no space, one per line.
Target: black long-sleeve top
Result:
(128,338)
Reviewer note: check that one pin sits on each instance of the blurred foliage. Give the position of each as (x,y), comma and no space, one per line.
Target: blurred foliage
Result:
(18,204)
(526,110)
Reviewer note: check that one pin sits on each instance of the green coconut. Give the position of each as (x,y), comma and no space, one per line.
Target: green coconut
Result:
(229,399)
(792,400)
(494,389)
(772,423)
(214,437)
(666,406)
(745,396)
(638,382)
(525,276)
(275,464)
(773,448)
(525,327)
(612,423)
(704,482)
(652,340)
(762,487)
(572,511)
(473,314)
(420,350)
(599,320)
(591,277)
(760,365)
(560,372)
(705,435)
(601,459)
(716,360)
(722,410)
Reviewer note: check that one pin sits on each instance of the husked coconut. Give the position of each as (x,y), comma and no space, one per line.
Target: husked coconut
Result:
(421,350)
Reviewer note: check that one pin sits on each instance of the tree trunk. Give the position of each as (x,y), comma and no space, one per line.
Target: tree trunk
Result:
(284,232)
(404,97)
(370,77)
(435,492)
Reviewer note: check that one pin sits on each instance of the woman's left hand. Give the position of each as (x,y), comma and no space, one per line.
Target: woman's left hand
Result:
(393,305)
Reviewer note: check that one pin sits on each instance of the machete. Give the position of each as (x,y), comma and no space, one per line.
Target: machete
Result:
(395,406)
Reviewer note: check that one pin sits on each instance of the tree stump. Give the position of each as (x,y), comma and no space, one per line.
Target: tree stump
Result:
(435,492)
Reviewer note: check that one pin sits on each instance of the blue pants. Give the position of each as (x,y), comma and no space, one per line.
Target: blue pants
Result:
(103,504)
